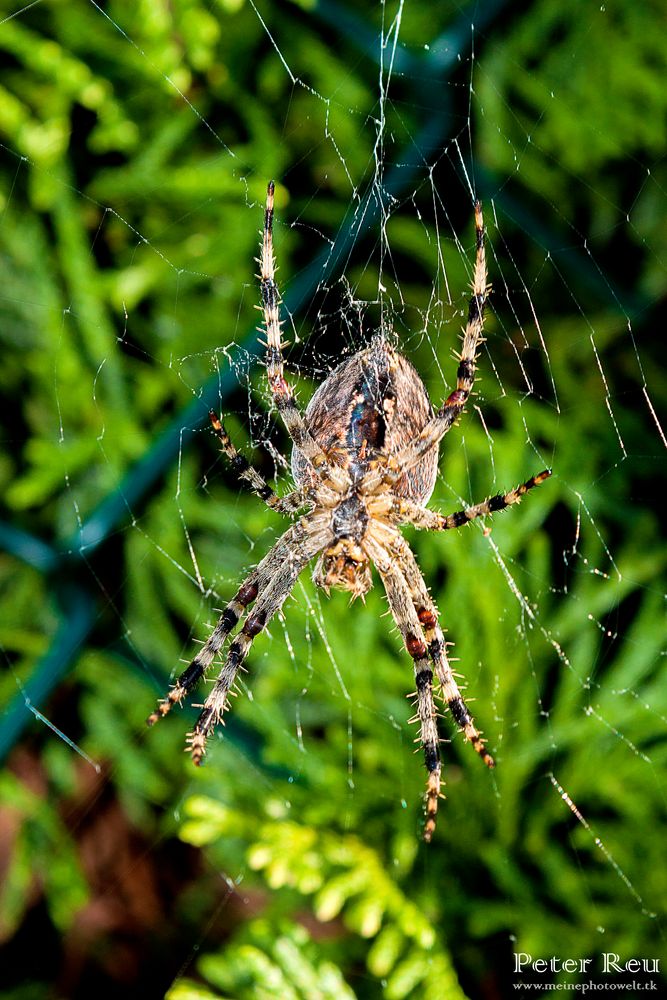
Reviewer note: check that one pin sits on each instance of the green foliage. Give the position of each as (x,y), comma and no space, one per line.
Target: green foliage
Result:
(594,95)
(267,960)
(347,879)
(41,859)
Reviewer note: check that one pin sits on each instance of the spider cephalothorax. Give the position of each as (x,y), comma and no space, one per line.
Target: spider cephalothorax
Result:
(364,462)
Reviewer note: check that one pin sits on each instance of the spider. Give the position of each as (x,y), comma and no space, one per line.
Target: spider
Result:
(364,461)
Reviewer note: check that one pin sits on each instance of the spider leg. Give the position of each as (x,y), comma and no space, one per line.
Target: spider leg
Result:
(281,391)
(452,408)
(251,588)
(405,616)
(427,616)
(288,504)
(284,572)
(403,511)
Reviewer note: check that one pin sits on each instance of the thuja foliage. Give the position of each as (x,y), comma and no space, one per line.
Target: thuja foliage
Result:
(269,959)
(136,145)
(347,880)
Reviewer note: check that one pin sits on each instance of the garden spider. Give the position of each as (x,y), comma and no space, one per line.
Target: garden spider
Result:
(365,461)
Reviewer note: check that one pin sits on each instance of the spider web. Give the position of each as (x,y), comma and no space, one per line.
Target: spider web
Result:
(554,611)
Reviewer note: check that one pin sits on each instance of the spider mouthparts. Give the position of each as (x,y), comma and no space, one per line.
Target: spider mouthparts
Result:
(344,566)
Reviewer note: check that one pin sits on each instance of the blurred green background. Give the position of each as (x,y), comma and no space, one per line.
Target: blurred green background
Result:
(136,142)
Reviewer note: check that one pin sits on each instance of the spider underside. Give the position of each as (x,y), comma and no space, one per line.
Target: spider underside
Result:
(364,461)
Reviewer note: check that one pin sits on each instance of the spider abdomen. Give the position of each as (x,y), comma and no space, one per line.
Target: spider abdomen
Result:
(371,405)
